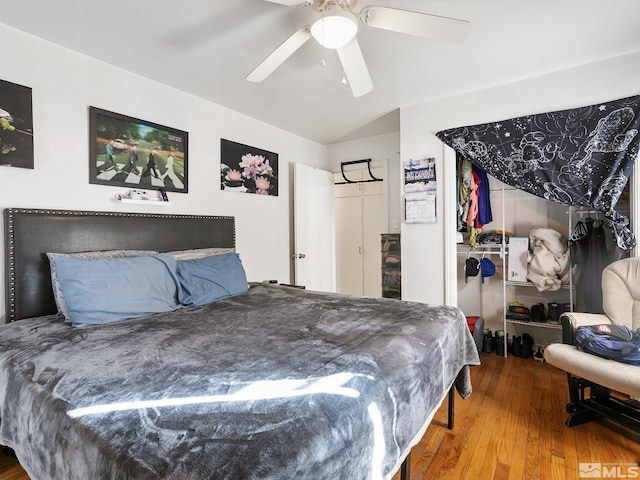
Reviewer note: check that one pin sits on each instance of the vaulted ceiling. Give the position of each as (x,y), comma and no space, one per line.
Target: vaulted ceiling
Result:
(207,48)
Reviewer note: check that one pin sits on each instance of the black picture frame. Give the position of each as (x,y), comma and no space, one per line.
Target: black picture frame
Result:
(247,169)
(16,125)
(161,159)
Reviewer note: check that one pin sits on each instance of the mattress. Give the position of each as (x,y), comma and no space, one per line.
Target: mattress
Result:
(277,383)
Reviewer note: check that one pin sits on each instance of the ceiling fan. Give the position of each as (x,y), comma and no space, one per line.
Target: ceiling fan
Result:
(337,27)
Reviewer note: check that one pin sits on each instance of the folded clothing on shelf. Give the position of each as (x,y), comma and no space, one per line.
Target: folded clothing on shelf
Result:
(493,238)
(517,311)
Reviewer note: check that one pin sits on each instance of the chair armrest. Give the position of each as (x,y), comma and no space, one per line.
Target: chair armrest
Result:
(572,320)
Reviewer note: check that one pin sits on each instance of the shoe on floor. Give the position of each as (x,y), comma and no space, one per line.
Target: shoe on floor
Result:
(527,346)
(539,353)
(516,346)
(500,342)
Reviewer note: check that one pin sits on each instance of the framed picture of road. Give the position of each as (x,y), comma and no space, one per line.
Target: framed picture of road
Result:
(129,152)
(16,126)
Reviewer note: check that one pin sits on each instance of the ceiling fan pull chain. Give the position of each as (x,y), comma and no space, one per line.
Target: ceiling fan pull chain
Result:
(323,62)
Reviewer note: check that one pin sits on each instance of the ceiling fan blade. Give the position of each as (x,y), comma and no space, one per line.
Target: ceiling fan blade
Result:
(279,55)
(449,30)
(293,3)
(355,69)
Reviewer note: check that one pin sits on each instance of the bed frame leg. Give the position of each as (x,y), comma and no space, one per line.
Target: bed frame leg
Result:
(450,411)
(405,469)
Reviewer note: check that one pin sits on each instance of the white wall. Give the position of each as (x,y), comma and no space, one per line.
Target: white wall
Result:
(66,83)
(423,266)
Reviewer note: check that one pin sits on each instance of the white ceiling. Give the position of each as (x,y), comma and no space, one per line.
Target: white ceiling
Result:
(207,47)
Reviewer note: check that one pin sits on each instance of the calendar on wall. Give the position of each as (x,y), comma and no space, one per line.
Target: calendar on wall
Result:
(420,191)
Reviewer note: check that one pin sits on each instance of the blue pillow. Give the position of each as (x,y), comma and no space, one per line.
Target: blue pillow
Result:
(205,280)
(53,257)
(106,290)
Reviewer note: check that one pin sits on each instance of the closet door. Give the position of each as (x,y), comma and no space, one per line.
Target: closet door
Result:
(372,227)
(359,223)
(349,245)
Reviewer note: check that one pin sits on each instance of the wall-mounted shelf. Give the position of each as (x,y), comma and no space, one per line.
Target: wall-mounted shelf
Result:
(536,324)
(529,284)
(484,249)
(484,246)
(140,201)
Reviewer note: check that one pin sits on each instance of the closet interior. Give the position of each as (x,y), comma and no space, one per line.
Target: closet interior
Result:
(496,286)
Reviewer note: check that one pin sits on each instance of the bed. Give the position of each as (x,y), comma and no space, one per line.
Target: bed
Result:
(276,382)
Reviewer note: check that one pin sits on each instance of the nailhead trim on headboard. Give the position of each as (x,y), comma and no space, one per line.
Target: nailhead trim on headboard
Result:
(11,259)
(10,239)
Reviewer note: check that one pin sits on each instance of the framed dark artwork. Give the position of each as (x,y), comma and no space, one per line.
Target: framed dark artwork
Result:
(129,152)
(248,169)
(16,125)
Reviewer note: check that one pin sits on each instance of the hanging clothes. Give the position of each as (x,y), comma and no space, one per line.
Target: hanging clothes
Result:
(473,202)
(484,200)
(581,157)
(591,276)
(464,188)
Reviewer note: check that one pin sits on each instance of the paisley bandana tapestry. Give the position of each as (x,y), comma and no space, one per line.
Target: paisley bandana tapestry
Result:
(581,157)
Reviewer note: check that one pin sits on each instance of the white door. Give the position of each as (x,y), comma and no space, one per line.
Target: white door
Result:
(313,223)
(359,223)
(372,227)
(349,243)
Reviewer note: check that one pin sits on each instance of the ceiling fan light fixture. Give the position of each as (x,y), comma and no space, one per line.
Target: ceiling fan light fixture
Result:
(335,29)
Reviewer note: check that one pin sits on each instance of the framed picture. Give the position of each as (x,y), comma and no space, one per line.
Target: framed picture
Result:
(129,152)
(16,126)
(248,169)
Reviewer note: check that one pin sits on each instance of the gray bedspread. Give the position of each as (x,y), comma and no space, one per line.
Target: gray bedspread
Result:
(279,383)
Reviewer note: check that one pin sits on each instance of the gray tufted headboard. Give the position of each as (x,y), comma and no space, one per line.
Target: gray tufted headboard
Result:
(31,233)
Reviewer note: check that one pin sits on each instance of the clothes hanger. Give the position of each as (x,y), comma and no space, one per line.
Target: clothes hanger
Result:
(579,231)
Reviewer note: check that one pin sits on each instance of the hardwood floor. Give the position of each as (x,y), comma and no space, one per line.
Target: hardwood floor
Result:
(10,469)
(512,427)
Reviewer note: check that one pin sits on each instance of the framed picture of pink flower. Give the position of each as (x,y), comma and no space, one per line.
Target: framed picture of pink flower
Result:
(248,169)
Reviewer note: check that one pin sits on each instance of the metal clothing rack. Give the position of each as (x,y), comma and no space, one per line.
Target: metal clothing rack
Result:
(481,250)
(372,177)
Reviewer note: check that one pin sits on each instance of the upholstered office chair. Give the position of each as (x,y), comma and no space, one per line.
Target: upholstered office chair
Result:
(600,376)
